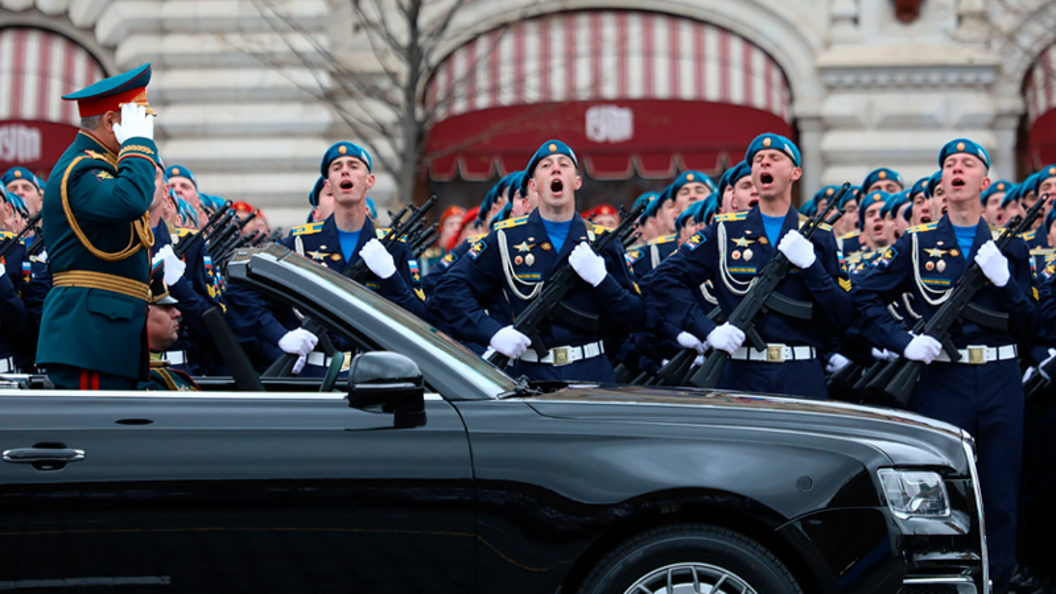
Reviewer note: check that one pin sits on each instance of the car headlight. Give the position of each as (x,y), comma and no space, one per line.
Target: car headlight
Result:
(915,493)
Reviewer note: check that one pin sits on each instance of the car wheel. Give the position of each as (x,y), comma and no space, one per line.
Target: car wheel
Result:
(690,559)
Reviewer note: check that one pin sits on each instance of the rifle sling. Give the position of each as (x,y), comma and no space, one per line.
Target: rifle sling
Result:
(575,317)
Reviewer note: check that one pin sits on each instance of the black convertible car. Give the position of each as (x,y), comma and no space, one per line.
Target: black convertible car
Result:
(427,470)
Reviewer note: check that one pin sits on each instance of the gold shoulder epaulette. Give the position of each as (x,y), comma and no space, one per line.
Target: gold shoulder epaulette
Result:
(180,232)
(662,240)
(475,238)
(308,229)
(851,235)
(381,232)
(925,227)
(599,229)
(1026,236)
(1040,251)
(7,234)
(508,223)
(732,216)
(825,227)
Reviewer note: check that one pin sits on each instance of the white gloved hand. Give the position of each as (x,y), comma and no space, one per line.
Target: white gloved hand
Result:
(836,363)
(883,354)
(588,265)
(174,267)
(798,249)
(726,337)
(378,259)
(134,122)
(1041,366)
(923,348)
(298,365)
(993,263)
(510,342)
(688,341)
(298,342)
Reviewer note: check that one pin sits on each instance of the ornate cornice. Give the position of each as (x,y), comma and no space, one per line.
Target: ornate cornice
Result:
(978,77)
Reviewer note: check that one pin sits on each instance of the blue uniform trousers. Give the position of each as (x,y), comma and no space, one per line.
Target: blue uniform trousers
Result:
(987,401)
(595,369)
(803,379)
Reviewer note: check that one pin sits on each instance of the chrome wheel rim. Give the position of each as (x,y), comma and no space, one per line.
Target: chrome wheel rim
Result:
(691,578)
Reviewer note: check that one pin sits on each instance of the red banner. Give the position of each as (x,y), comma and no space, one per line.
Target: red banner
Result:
(34,145)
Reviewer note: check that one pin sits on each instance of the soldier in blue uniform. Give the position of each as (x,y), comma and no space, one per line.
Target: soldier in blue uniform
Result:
(21,182)
(982,392)
(730,252)
(884,179)
(519,256)
(98,240)
(991,201)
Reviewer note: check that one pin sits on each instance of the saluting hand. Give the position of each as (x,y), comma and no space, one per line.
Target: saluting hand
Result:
(135,122)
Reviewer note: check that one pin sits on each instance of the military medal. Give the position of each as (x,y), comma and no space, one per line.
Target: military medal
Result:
(954,252)
(335,257)
(546,247)
(518,260)
(524,246)
(929,266)
(764,240)
(941,265)
(747,254)
(736,255)
(529,259)
(743,242)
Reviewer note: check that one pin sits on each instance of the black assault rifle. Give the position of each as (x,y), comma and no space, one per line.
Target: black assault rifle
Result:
(10,243)
(550,297)
(763,298)
(218,220)
(899,377)
(357,272)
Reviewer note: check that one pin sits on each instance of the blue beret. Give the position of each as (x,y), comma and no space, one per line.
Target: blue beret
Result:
(733,175)
(493,196)
(16,173)
(344,149)
(186,211)
(689,214)
(654,205)
(1041,175)
(689,177)
(550,147)
(181,171)
(997,187)
(109,93)
(908,213)
(825,193)
(963,145)
(524,183)
(933,182)
(882,174)
(372,208)
(1014,194)
(313,196)
(645,199)
(850,194)
(709,209)
(1050,218)
(516,182)
(773,141)
(1030,185)
(877,196)
(211,202)
(809,207)
(918,187)
(503,214)
(16,202)
(893,203)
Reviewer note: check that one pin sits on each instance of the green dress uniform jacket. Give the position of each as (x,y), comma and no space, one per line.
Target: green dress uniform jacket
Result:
(98,242)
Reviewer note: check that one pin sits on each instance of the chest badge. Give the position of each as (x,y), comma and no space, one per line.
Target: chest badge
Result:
(518,260)
(763,241)
(954,252)
(524,246)
(929,265)
(935,252)
(317,255)
(736,254)
(743,242)
(940,265)
(546,247)
(335,257)
(529,259)
(747,254)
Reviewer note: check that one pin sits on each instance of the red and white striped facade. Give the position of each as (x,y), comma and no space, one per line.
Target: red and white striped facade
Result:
(38,67)
(607,55)
(1040,88)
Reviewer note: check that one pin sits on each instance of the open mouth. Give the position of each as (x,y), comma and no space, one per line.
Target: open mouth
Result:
(878,228)
(957,182)
(925,219)
(753,202)
(766,179)
(557,186)
(346,185)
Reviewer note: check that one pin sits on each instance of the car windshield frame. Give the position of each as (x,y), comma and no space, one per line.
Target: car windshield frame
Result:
(349,308)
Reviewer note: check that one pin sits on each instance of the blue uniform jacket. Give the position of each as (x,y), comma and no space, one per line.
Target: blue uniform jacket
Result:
(431,278)
(466,289)
(895,273)
(657,250)
(673,284)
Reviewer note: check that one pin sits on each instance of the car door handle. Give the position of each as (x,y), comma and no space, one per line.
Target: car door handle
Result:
(43,456)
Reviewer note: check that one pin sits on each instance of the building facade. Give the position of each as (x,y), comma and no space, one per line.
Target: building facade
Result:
(251,92)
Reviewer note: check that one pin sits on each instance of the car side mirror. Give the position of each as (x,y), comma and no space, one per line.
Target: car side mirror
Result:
(390,380)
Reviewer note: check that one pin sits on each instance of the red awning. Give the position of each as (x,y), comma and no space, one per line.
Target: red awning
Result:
(36,146)
(613,139)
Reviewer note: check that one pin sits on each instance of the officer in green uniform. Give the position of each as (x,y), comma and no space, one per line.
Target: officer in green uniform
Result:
(163,329)
(98,240)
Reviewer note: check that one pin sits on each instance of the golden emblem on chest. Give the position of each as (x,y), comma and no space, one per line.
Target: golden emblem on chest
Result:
(524,246)
(935,252)
(743,242)
(317,255)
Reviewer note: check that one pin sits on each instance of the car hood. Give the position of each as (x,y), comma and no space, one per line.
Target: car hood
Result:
(904,438)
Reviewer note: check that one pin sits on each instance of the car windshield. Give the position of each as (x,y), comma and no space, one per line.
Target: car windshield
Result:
(383,322)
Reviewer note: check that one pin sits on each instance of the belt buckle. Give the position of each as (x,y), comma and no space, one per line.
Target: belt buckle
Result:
(560,355)
(976,355)
(347,363)
(774,353)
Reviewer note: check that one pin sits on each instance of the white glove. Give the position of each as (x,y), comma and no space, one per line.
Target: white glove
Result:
(588,265)
(298,365)
(798,249)
(510,342)
(298,342)
(993,263)
(1041,366)
(726,337)
(883,354)
(923,348)
(688,341)
(836,363)
(134,122)
(174,267)
(378,259)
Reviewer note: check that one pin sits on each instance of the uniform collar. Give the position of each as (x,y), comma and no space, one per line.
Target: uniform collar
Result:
(88,141)
(754,221)
(949,236)
(577,232)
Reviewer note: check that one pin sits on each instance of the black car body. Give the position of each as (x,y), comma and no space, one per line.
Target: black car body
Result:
(496,487)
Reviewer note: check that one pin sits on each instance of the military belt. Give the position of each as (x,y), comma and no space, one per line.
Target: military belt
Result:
(978,355)
(565,355)
(100,280)
(775,353)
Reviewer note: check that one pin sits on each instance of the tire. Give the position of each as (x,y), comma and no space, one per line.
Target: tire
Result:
(642,564)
